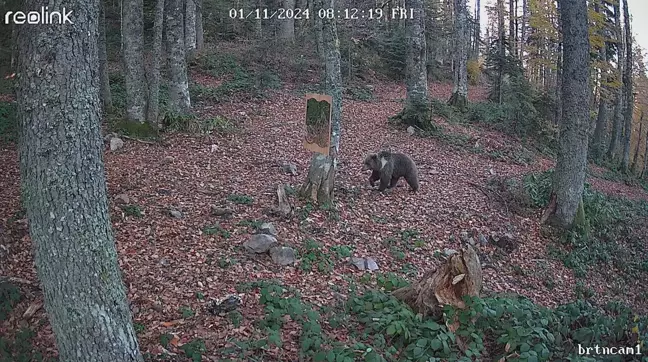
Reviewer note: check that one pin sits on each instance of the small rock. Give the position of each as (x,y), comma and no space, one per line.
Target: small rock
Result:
(364,263)
(224,305)
(471,241)
(260,243)
(164,262)
(463,236)
(221,211)
(290,168)
(449,252)
(268,228)
(214,148)
(411,130)
(482,239)
(122,199)
(282,255)
(116,143)
(175,213)
(167,159)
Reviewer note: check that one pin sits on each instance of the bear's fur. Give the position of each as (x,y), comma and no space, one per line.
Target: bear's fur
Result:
(389,167)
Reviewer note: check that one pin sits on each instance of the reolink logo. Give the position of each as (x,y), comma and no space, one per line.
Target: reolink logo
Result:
(35,17)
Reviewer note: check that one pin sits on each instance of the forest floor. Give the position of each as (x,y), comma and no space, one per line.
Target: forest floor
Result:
(171,266)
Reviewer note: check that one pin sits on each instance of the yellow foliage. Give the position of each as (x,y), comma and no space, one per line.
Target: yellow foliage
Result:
(474,71)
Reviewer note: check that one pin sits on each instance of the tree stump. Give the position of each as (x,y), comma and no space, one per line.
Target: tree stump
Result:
(321,180)
(460,275)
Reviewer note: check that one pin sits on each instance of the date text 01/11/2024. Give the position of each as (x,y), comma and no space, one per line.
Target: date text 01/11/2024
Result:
(329,13)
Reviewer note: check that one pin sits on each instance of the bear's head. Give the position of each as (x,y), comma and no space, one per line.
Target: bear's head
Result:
(371,162)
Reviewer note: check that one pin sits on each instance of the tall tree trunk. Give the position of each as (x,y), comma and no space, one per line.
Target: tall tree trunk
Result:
(477,29)
(190,28)
(134,76)
(571,165)
(319,33)
(645,155)
(416,112)
(559,71)
(320,183)
(178,83)
(512,36)
(599,130)
(628,106)
(635,159)
(523,28)
(258,24)
(104,79)
(153,111)
(459,97)
(501,50)
(200,32)
(617,125)
(287,30)
(64,188)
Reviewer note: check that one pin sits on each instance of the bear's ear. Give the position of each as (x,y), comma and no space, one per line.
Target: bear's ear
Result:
(374,156)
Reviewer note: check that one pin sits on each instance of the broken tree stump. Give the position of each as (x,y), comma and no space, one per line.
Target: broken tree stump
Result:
(459,276)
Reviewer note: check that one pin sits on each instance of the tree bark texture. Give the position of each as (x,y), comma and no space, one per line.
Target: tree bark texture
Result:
(106,97)
(153,110)
(459,96)
(64,188)
(200,32)
(628,105)
(601,117)
(320,182)
(180,102)
(617,124)
(190,27)
(502,52)
(571,165)
(134,76)
(287,27)
(645,155)
(477,30)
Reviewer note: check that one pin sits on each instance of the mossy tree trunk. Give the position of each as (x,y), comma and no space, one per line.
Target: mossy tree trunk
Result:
(320,181)
(64,188)
(459,96)
(180,103)
(417,104)
(569,176)
(134,76)
(153,111)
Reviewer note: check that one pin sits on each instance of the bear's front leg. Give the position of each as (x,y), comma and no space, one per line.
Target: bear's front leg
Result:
(375,176)
(384,183)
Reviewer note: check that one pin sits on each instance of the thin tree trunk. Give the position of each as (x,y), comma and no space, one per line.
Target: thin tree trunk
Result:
(134,74)
(258,24)
(104,79)
(569,176)
(617,128)
(64,188)
(287,31)
(477,29)
(512,44)
(523,28)
(645,155)
(190,28)
(459,97)
(559,71)
(320,182)
(635,159)
(153,111)
(200,33)
(178,83)
(599,130)
(628,106)
(502,51)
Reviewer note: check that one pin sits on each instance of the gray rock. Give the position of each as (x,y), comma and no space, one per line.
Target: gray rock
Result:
(116,143)
(260,243)
(411,130)
(463,236)
(482,239)
(471,241)
(268,228)
(175,213)
(282,255)
(290,168)
(221,211)
(364,263)
(122,198)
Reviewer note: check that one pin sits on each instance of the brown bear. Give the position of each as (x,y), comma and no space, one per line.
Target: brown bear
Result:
(389,167)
